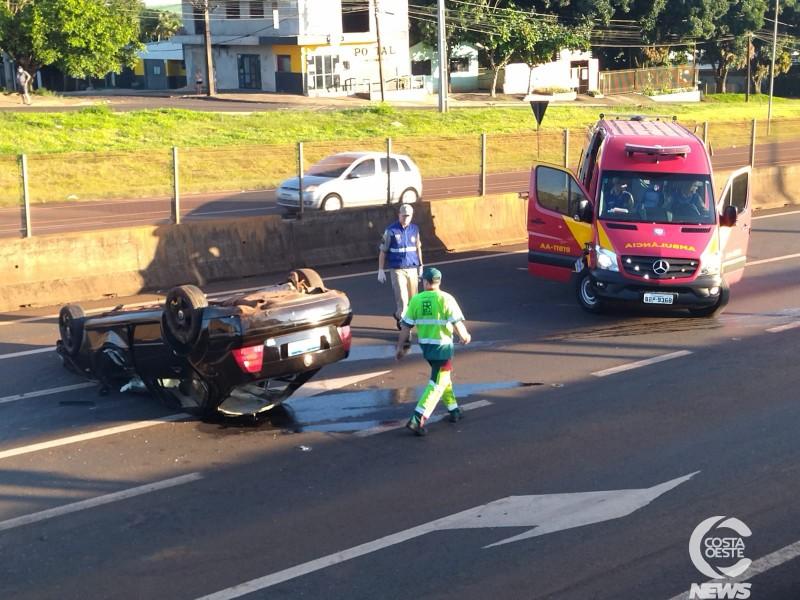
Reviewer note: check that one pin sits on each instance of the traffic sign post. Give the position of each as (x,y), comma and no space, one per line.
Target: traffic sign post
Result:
(538,107)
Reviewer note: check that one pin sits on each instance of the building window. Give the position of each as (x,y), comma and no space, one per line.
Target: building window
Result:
(284,63)
(257,9)
(232,9)
(421,67)
(459,64)
(199,21)
(324,72)
(355,16)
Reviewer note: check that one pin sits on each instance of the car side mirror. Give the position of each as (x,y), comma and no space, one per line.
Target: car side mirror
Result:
(728,216)
(585,212)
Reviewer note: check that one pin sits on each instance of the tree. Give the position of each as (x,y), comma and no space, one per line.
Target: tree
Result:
(539,40)
(83,38)
(762,62)
(155,27)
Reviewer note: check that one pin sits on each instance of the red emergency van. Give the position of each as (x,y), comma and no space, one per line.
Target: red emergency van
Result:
(641,223)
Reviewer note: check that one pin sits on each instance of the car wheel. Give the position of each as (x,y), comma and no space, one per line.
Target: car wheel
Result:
(307,280)
(713,311)
(586,293)
(70,326)
(409,196)
(183,316)
(332,202)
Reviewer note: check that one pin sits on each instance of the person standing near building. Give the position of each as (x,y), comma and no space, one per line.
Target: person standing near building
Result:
(23,81)
(401,244)
(435,314)
(198,82)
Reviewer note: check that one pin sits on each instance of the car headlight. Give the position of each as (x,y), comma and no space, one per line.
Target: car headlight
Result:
(710,263)
(307,189)
(606,259)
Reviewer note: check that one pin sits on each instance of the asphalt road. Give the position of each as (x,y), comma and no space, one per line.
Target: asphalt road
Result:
(330,504)
(83,216)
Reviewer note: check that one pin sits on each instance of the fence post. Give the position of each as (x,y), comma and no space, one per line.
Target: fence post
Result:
(753,145)
(26,199)
(176,194)
(566,148)
(388,170)
(705,134)
(483,165)
(300,177)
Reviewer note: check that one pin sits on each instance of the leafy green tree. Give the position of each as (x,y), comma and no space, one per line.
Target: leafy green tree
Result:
(540,40)
(762,62)
(83,38)
(158,26)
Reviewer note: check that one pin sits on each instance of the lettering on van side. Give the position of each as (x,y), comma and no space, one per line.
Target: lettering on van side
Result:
(665,245)
(555,248)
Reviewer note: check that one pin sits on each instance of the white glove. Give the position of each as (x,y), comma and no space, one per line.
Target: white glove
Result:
(419,271)
(381,276)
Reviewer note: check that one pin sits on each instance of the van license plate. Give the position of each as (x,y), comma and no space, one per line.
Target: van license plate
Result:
(656,298)
(302,346)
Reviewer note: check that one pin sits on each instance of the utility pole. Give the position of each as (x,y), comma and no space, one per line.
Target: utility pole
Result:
(212,85)
(442,59)
(772,70)
(380,47)
(749,54)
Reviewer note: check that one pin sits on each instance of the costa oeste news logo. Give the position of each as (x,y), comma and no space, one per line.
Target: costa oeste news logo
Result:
(715,543)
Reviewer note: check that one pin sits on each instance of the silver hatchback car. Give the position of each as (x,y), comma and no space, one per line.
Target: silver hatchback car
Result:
(353,179)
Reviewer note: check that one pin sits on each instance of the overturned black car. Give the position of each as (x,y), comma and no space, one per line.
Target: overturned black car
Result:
(242,354)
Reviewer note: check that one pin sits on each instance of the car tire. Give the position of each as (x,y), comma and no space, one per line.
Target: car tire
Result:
(713,311)
(332,202)
(409,196)
(587,295)
(183,317)
(307,280)
(70,325)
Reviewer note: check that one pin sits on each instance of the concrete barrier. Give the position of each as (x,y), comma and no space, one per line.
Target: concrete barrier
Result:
(60,268)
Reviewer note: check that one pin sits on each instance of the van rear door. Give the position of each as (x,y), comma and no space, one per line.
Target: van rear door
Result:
(735,240)
(556,236)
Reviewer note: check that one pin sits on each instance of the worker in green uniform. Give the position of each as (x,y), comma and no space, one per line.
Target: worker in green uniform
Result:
(435,314)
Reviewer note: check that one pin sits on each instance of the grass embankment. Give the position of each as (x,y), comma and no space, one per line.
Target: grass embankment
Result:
(95,153)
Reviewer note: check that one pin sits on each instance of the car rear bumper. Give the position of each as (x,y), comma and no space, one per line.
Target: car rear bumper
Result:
(704,291)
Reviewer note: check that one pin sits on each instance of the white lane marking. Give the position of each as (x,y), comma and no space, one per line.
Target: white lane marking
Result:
(314,388)
(73,439)
(92,311)
(641,363)
(378,351)
(433,419)
(772,260)
(47,392)
(250,289)
(27,352)
(99,501)
(762,565)
(783,214)
(546,513)
(780,328)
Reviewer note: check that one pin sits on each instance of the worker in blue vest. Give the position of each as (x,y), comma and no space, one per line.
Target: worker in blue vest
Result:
(400,252)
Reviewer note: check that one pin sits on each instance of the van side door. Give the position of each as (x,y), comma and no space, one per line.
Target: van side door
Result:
(735,240)
(556,235)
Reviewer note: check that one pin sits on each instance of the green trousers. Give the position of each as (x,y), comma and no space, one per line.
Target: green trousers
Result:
(440,387)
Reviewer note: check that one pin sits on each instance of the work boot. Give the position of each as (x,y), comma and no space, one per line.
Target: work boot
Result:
(456,415)
(417,424)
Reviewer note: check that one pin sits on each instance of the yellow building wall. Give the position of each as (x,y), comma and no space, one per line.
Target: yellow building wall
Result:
(296,56)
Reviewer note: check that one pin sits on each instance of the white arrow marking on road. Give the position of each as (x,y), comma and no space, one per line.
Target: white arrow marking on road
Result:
(548,513)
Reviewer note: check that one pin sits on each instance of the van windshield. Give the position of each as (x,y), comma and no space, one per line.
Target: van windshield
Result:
(657,198)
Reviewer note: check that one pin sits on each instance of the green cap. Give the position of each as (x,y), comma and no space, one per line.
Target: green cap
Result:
(432,274)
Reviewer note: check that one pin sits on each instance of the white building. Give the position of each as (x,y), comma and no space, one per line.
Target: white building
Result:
(572,70)
(463,74)
(312,47)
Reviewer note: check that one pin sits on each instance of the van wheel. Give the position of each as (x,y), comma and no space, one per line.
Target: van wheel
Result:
(586,294)
(409,196)
(70,326)
(332,202)
(713,311)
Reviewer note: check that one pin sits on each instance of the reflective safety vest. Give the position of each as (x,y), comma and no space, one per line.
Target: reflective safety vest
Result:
(434,312)
(402,251)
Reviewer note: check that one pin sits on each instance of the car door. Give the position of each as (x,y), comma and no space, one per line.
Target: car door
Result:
(399,178)
(361,184)
(556,235)
(735,240)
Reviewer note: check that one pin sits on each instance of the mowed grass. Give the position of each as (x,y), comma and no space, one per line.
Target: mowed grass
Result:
(96,153)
